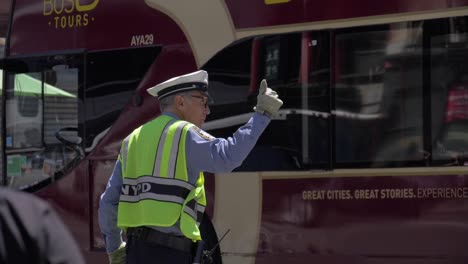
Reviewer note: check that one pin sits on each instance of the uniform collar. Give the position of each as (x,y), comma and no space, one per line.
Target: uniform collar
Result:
(171,115)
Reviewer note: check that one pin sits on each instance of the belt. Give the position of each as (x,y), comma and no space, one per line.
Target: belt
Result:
(156,237)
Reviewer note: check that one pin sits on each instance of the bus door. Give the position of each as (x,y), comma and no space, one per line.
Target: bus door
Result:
(43,118)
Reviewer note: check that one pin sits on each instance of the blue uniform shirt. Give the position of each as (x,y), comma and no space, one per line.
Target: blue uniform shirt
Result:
(216,155)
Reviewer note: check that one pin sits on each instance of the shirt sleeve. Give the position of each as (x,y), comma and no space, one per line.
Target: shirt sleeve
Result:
(107,212)
(218,155)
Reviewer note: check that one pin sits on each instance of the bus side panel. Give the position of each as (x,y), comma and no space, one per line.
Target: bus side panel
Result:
(414,219)
(67,27)
(251,14)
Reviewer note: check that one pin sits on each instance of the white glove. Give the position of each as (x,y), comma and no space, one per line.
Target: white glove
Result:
(268,102)
(118,256)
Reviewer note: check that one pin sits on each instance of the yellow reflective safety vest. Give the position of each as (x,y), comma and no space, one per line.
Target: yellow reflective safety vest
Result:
(155,189)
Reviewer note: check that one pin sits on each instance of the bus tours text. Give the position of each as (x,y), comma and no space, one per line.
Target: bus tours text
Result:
(69,13)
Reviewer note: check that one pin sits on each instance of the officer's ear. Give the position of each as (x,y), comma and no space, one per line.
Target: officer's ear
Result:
(179,100)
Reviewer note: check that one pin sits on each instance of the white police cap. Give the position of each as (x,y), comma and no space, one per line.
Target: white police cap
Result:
(193,81)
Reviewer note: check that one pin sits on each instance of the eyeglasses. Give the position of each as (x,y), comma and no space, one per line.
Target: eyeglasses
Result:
(203,100)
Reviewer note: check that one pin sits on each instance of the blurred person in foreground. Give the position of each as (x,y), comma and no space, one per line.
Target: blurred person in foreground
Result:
(31,232)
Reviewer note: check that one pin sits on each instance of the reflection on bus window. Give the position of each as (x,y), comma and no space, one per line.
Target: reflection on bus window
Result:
(2,46)
(297,67)
(378,96)
(39,105)
(229,82)
(449,93)
(107,92)
(24,112)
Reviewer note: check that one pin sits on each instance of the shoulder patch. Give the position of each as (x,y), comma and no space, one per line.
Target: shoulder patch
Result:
(202,133)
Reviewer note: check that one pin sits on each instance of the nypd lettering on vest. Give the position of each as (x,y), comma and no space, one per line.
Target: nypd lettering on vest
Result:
(135,189)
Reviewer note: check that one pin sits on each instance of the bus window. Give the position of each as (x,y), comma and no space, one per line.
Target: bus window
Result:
(235,74)
(108,91)
(229,76)
(297,67)
(272,59)
(2,45)
(279,147)
(449,93)
(41,111)
(24,112)
(379,96)
(316,98)
(4,13)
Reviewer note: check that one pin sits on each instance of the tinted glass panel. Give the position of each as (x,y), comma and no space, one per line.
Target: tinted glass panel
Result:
(449,93)
(112,78)
(39,107)
(379,96)
(297,138)
(24,111)
(280,59)
(229,76)
(315,100)
(60,106)
(4,15)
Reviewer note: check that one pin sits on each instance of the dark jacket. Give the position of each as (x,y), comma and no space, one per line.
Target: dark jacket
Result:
(31,232)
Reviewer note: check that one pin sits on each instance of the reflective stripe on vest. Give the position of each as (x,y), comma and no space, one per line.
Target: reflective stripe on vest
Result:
(155,190)
(149,187)
(123,159)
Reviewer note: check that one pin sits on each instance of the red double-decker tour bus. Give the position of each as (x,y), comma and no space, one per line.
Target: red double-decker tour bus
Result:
(367,161)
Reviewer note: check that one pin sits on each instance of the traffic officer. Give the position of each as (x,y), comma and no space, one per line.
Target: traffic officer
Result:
(156,191)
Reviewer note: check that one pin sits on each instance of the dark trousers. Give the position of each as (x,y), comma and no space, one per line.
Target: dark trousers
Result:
(141,252)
